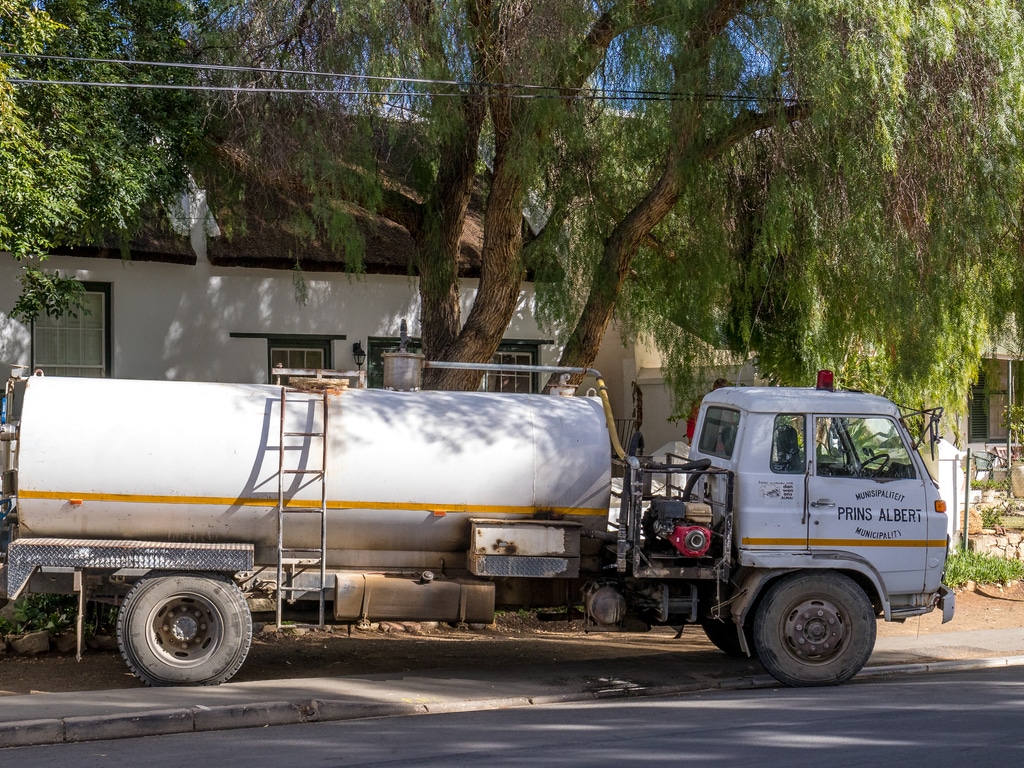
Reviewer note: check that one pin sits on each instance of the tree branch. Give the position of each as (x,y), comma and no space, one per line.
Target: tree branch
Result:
(402,209)
(749,122)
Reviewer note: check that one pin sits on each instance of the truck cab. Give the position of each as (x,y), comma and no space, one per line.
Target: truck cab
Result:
(824,483)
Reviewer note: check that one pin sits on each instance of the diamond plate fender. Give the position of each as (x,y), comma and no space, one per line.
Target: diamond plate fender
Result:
(24,556)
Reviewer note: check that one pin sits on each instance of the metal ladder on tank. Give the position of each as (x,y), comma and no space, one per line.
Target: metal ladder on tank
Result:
(291,560)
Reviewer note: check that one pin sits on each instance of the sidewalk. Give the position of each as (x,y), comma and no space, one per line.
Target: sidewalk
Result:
(52,718)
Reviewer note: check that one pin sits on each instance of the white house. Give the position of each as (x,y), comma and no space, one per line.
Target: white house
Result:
(182,309)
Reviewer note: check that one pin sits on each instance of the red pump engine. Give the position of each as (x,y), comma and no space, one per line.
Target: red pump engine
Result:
(691,540)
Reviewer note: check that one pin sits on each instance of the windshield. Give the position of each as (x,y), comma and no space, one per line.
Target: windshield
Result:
(718,435)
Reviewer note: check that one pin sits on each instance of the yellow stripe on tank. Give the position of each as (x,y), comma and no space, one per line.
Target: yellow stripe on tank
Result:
(475,509)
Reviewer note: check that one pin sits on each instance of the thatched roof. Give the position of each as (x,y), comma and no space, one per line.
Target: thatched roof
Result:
(277,229)
(275,224)
(156,241)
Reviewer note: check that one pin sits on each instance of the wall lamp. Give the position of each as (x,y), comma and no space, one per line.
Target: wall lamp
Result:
(359,355)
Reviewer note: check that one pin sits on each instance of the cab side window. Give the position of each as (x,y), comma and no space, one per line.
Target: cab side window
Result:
(788,456)
(855,446)
(718,435)
(833,448)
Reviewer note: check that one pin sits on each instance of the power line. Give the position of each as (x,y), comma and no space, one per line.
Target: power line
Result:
(542,91)
(225,68)
(224,88)
(591,95)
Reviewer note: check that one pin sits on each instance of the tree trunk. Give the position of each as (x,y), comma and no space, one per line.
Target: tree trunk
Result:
(621,247)
(439,234)
(501,270)
(626,238)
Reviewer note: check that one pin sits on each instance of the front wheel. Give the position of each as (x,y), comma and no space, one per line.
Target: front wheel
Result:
(184,629)
(814,628)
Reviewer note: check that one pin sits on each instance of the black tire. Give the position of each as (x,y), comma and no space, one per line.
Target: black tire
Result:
(184,629)
(814,628)
(724,635)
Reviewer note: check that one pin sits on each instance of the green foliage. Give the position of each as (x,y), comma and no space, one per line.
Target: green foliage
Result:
(53,613)
(1013,420)
(885,199)
(31,204)
(57,614)
(49,294)
(838,183)
(82,163)
(990,484)
(991,517)
(391,144)
(966,565)
(299,285)
(867,225)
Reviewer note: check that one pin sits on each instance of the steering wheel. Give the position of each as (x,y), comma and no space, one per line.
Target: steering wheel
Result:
(881,459)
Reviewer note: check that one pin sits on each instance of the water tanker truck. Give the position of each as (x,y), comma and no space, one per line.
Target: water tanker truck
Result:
(800,516)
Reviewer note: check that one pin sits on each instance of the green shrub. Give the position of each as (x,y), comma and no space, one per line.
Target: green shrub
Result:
(990,484)
(965,565)
(54,613)
(992,516)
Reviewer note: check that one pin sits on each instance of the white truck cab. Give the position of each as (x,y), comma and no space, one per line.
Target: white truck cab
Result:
(825,483)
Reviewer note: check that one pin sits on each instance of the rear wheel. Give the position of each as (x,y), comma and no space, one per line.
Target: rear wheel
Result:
(184,629)
(814,628)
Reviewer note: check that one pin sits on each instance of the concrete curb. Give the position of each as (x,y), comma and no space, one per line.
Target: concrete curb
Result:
(233,716)
(959,665)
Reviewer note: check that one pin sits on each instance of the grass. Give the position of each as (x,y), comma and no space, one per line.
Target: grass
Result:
(964,565)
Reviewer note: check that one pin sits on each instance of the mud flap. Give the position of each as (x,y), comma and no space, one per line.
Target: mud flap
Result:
(947,602)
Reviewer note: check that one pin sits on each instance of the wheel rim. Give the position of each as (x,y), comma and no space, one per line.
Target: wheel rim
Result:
(186,630)
(815,630)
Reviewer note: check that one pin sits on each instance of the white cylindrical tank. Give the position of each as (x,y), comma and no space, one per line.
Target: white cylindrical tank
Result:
(178,461)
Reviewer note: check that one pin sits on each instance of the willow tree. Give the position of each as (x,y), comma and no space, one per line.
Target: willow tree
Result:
(832,184)
(421,107)
(818,182)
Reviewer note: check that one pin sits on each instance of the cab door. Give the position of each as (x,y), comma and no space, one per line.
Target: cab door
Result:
(770,485)
(866,497)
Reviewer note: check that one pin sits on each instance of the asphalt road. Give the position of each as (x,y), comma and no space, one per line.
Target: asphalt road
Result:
(639,670)
(914,721)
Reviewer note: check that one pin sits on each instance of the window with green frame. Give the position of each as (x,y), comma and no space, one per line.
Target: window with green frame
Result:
(297,352)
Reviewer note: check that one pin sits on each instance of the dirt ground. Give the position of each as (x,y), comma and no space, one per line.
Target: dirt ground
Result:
(395,648)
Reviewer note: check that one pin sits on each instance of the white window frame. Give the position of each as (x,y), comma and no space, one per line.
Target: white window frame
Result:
(511,381)
(70,333)
(298,357)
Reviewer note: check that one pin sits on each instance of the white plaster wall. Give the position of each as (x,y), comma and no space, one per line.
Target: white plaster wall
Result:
(174,321)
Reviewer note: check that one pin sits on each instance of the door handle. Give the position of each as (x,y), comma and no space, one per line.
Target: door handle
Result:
(823,503)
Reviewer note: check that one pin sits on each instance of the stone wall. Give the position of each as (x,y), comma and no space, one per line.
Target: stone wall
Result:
(1001,544)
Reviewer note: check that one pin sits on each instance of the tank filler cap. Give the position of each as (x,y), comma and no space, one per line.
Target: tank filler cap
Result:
(562,388)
